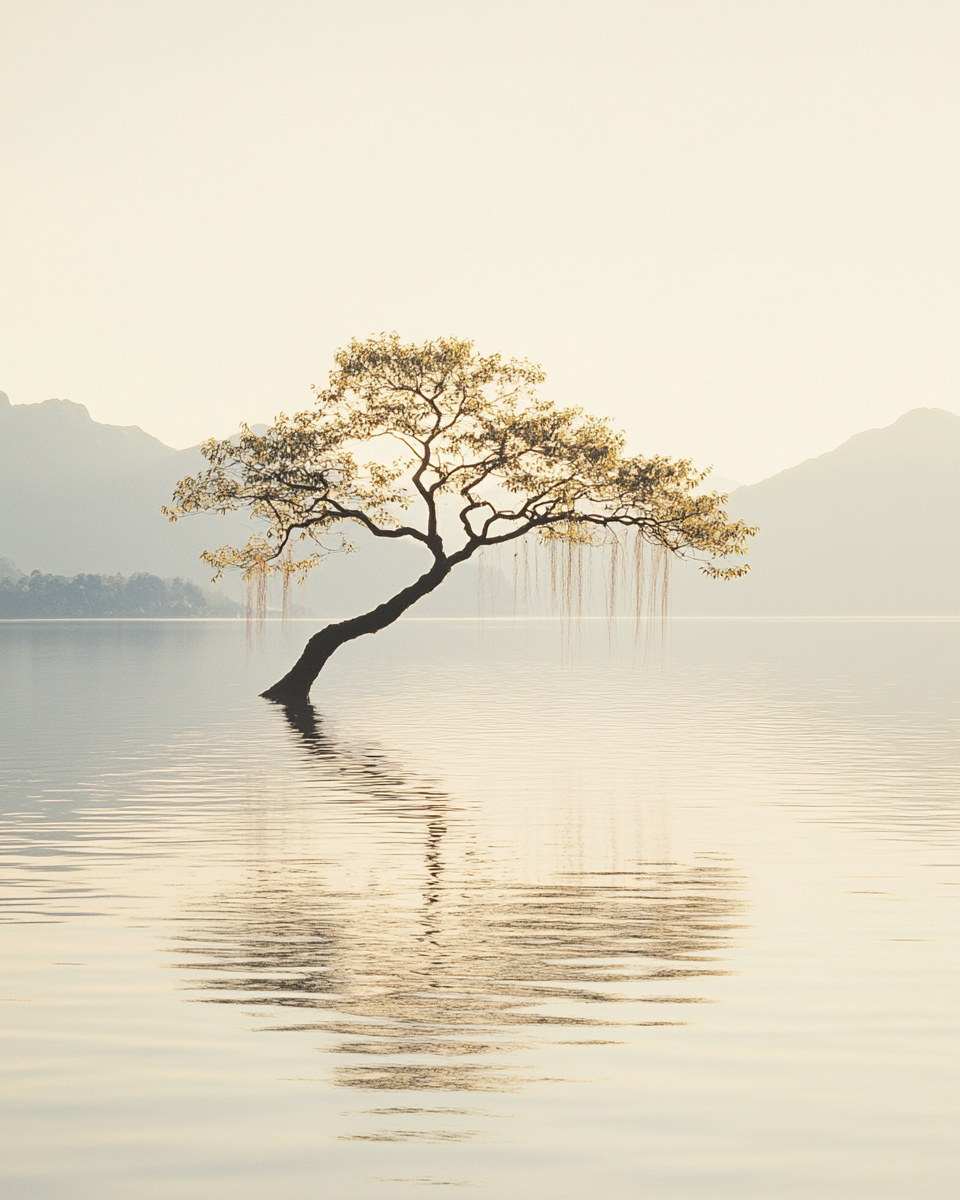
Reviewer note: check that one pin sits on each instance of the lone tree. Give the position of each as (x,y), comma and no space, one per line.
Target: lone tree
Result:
(483,461)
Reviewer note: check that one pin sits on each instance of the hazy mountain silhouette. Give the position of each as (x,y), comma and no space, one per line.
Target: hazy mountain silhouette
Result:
(871,528)
(77,496)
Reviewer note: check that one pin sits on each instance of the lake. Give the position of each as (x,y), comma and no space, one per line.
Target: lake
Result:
(527,908)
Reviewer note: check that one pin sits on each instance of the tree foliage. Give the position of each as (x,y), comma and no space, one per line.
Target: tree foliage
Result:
(465,426)
(454,450)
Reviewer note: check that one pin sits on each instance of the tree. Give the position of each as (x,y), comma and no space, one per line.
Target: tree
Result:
(483,461)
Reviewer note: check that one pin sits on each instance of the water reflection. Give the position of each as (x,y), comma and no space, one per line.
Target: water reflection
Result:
(436,957)
(430,925)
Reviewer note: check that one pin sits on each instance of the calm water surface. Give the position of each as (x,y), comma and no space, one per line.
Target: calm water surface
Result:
(527,910)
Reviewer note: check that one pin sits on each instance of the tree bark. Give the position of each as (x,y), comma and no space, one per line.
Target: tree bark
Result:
(294,688)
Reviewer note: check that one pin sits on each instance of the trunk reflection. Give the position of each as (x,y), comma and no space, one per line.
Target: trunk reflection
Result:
(464,964)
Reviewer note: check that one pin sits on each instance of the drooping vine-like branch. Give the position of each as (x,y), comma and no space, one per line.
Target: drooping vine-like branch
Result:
(445,431)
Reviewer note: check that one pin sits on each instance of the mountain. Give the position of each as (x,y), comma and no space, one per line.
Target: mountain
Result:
(872,528)
(869,529)
(720,483)
(77,496)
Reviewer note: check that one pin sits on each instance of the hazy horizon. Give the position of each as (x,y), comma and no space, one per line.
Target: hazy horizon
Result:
(728,227)
(717,478)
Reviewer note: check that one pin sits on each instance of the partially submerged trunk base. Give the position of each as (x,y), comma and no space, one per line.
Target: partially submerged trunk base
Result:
(278,695)
(293,690)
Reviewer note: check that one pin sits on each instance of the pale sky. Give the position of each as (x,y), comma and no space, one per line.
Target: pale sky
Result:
(731,225)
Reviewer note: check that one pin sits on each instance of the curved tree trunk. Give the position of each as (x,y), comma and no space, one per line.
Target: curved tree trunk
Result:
(294,687)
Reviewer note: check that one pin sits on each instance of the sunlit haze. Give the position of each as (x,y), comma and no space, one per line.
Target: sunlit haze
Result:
(581,826)
(729,226)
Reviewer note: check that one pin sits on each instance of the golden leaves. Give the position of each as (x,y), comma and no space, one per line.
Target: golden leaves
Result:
(470,429)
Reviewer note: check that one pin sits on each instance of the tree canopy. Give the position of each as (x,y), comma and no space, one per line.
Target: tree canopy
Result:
(456,451)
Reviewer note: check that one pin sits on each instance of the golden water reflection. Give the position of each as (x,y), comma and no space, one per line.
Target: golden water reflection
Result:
(433,970)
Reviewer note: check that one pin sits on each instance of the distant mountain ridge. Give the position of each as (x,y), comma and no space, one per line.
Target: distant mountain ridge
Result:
(80,497)
(871,528)
(67,428)
(77,496)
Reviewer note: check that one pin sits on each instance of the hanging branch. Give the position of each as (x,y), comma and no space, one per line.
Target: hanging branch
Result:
(474,448)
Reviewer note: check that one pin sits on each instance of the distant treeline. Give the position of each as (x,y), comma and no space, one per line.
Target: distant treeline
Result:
(138,595)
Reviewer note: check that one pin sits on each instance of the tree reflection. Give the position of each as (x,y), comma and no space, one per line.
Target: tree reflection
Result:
(453,960)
